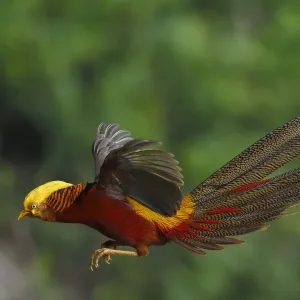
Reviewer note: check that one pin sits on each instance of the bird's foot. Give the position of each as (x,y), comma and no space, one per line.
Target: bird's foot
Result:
(96,255)
(105,253)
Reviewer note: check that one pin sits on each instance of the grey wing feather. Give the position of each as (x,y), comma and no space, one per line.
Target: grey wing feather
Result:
(107,140)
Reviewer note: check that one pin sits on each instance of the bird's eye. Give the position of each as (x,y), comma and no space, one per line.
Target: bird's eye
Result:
(33,206)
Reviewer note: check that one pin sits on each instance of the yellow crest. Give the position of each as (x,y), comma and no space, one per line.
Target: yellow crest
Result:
(42,192)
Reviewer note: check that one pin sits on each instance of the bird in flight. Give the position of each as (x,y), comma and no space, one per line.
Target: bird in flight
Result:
(136,199)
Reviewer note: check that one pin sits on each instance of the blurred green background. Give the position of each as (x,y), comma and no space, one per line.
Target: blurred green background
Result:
(208,78)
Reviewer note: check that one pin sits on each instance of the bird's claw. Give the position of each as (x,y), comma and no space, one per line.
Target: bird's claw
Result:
(97,255)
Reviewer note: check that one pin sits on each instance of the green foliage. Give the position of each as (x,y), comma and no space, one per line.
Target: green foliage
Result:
(208,78)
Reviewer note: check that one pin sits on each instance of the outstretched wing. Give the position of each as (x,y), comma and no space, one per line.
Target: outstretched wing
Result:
(125,167)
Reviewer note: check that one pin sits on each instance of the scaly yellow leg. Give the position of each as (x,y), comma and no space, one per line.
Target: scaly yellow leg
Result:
(105,254)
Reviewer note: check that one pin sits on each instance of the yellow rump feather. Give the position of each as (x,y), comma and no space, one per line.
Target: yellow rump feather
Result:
(166,224)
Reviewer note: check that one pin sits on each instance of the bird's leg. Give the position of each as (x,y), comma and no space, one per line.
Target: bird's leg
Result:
(110,244)
(106,252)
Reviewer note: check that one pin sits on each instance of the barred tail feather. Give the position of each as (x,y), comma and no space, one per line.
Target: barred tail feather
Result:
(256,162)
(238,199)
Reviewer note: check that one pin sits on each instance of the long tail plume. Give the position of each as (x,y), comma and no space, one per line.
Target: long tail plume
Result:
(239,199)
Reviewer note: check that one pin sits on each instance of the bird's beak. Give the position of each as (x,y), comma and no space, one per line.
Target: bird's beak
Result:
(23,213)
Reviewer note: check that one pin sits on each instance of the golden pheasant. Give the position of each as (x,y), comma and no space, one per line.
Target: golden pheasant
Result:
(135,199)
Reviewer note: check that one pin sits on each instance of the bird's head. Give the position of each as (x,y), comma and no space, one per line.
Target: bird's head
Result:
(35,203)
